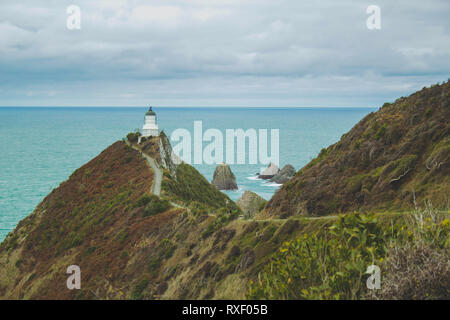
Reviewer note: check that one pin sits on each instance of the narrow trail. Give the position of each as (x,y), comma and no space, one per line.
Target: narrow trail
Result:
(284,220)
(157,178)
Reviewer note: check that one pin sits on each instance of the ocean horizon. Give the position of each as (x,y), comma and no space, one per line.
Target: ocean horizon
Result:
(42,146)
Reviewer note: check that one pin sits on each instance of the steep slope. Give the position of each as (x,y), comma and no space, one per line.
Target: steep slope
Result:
(391,158)
(85,219)
(127,242)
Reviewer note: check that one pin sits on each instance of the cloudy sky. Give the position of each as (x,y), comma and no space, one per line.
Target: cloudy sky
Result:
(220,52)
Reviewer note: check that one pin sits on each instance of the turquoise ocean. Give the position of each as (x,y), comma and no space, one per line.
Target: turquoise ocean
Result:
(41,146)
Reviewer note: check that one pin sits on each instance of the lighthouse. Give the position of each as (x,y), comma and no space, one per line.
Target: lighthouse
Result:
(150,127)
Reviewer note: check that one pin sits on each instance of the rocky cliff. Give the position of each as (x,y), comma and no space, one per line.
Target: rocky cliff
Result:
(250,203)
(268,173)
(284,175)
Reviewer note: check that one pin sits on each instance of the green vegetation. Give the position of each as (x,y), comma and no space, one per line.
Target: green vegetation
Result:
(262,205)
(331,264)
(133,137)
(154,265)
(222,218)
(198,209)
(167,248)
(380,131)
(144,200)
(322,155)
(155,206)
(189,185)
(399,168)
(138,290)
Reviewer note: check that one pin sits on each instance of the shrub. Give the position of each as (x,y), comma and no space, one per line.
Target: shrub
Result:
(145,199)
(18,263)
(155,206)
(223,217)
(323,267)
(154,265)
(137,292)
(416,271)
(331,264)
(124,254)
(122,235)
(133,136)
(167,248)
(261,206)
(109,185)
(380,132)
(198,209)
(400,167)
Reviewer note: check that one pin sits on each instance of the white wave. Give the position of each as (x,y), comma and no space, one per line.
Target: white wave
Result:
(253,178)
(272,185)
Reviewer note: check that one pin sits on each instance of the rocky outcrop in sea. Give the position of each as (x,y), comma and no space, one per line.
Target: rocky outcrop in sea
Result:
(224,178)
(284,175)
(269,172)
(250,203)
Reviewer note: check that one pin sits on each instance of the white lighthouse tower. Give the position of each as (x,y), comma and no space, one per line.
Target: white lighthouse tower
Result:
(150,127)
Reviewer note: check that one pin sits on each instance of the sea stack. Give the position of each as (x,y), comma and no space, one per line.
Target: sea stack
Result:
(284,175)
(269,172)
(250,203)
(223,178)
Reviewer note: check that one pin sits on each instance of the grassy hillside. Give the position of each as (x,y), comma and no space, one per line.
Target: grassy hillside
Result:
(127,242)
(390,160)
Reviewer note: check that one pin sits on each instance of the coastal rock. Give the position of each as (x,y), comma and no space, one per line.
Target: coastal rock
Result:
(250,203)
(284,175)
(223,178)
(269,172)
(169,160)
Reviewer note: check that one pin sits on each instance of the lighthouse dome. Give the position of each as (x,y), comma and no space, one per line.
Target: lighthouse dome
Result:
(150,112)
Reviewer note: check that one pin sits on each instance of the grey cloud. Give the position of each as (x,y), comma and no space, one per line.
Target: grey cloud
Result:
(282,52)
